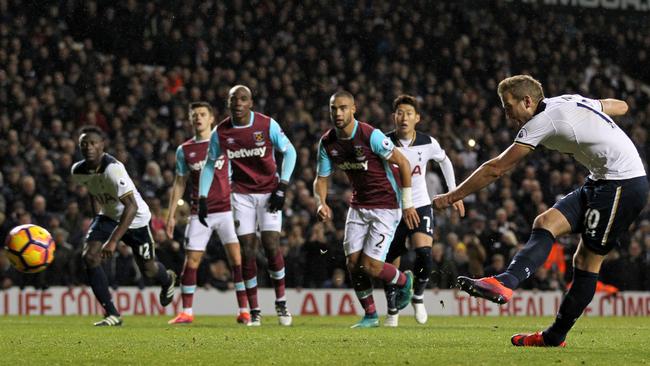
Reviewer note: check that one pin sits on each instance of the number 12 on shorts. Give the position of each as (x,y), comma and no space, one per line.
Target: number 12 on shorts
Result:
(145,250)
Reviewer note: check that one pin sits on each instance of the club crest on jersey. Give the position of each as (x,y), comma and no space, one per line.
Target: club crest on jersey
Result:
(230,140)
(359,153)
(334,152)
(258,136)
(192,154)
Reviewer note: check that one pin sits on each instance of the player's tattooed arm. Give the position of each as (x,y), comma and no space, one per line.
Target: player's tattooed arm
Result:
(130,210)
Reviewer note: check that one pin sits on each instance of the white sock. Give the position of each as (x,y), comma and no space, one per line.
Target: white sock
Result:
(187,311)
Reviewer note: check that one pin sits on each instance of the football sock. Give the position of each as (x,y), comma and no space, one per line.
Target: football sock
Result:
(422,270)
(276,271)
(391,302)
(240,288)
(163,278)
(188,286)
(390,274)
(526,261)
(576,300)
(99,284)
(249,272)
(363,289)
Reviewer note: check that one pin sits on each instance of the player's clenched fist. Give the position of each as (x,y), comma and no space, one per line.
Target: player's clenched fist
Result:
(324,212)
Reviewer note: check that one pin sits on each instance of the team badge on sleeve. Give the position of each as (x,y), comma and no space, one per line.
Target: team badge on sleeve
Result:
(522,133)
(387,144)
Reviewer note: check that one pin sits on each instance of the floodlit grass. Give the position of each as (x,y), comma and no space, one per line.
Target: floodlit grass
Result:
(325,341)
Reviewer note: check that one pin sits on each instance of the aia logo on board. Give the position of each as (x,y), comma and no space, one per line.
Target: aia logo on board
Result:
(258,136)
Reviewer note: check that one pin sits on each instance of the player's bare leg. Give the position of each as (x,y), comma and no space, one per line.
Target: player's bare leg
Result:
(233,251)
(188,286)
(99,283)
(271,241)
(248,244)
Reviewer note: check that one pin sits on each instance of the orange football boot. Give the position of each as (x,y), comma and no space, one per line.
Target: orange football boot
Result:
(487,287)
(531,340)
(182,318)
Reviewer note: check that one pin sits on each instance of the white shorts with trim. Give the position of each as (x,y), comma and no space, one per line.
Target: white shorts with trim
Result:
(250,212)
(197,236)
(370,230)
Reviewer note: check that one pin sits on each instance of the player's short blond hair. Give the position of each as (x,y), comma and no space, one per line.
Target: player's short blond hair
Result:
(519,86)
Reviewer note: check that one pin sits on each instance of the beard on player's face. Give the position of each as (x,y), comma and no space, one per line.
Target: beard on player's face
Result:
(342,121)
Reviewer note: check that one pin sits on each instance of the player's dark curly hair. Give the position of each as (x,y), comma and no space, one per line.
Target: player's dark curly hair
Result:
(406,99)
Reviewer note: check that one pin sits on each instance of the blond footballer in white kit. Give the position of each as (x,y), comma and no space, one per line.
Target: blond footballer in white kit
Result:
(600,210)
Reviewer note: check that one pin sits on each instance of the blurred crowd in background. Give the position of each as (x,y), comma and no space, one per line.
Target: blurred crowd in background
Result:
(132,67)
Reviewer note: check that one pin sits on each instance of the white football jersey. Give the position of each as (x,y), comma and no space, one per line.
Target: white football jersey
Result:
(576,125)
(107,184)
(418,152)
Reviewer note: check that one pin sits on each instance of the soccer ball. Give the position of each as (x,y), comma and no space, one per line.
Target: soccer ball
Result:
(30,248)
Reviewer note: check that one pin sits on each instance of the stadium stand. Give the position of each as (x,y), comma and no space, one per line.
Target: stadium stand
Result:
(131,68)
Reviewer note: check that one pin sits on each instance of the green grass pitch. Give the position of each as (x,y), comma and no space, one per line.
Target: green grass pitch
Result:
(45,340)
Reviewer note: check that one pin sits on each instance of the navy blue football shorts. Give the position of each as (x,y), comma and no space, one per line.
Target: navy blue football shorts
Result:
(601,210)
(398,245)
(139,239)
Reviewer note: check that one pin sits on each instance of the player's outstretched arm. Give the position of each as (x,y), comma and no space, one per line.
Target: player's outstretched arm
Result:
(321,185)
(178,189)
(410,216)
(487,173)
(130,210)
(614,107)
